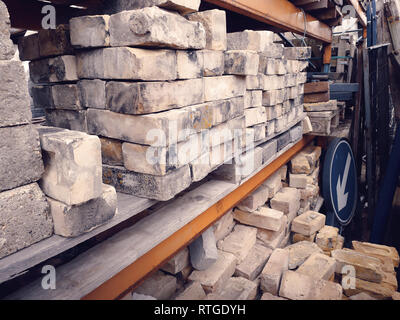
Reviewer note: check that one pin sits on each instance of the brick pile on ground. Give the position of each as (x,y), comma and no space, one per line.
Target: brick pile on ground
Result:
(24,212)
(166,91)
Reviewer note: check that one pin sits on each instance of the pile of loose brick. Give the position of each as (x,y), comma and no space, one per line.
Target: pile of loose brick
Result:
(24,212)
(171,95)
(270,248)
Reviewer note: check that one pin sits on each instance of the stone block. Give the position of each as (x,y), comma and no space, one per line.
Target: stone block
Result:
(238,288)
(250,40)
(58,69)
(268,296)
(194,291)
(181,6)
(66,97)
(269,149)
(263,217)
(377,250)
(55,42)
(253,264)
(272,273)
(241,62)
(308,223)
(297,237)
(90,31)
(297,286)
(254,200)
(213,63)
(274,184)
(287,200)
(272,239)
(283,140)
(223,226)
(274,112)
(124,63)
(283,171)
(72,165)
(158,129)
(189,64)
(137,296)
(160,188)
(255,116)
(239,242)
(327,237)
(214,23)
(15,104)
(300,180)
(72,221)
(150,97)
(28,48)
(330,105)
(92,93)
(6,46)
(215,277)
(67,119)
(273,50)
(318,266)
(25,218)
(367,268)
(296,133)
(20,156)
(146,27)
(297,53)
(178,262)
(224,87)
(376,290)
(160,286)
(300,251)
(203,251)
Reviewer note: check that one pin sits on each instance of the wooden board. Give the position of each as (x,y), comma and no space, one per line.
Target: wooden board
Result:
(316,97)
(17,263)
(315,87)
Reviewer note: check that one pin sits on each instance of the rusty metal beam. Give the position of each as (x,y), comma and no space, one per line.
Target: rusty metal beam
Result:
(132,275)
(281,14)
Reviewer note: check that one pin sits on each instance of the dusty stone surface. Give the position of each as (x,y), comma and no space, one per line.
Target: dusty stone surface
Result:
(300,251)
(20,156)
(257,41)
(92,93)
(252,265)
(73,171)
(224,87)
(15,104)
(223,226)
(193,292)
(268,296)
(159,286)
(254,200)
(238,288)
(308,223)
(67,119)
(182,6)
(58,69)
(274,184)
(241,62)
(178,262)
(378,251)
(146,27)
(90,31)
(273,270)
(72,221)
(318,266)
(6,46)
(55,42)
(263,217)
(25,218)
(215,277)
(203,251)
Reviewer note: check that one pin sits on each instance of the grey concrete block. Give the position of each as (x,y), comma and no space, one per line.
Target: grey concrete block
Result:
(203,251)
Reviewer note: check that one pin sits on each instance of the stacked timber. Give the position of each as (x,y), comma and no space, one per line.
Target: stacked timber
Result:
(171,95)
(323,112)
(24,212)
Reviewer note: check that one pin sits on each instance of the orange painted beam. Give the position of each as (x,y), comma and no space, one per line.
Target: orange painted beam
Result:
(327,54)
(279,13)
(134,274)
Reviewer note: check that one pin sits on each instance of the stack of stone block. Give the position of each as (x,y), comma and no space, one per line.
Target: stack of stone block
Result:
(72,181)
(24,212)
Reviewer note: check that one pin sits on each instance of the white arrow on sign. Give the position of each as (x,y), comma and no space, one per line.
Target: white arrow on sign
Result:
(341,186)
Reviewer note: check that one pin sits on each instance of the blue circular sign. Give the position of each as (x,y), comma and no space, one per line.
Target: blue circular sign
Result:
(340,180)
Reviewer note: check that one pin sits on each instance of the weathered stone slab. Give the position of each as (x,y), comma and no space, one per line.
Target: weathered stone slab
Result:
(92,93)
(203,251)
(215,277)
(127,64)
(377,250)
(178,262)
(193,292)
(300,251)
(224,87)
(67,119)
(271,275)
(253,264)
(159,129)
(273,50)
(14,106)
(58,69)
(287,200)
(308,223)
(146,27)
(254,200)
(241,62)
(367,268)
(72,221)
(283,140)
(90,31)
(182,6)
(255,116)
(297,286)
(160,188)
(238,288)
(269,149)
(28,47)
(25,218)
(297,53)
(326,238)
(296,133)
(55,42)
(263,217)
(297,237)
(306,160)
(239,242)
(189,64)
(256,41)
(6,46)
(66,97)
(214,23)
(20,156)
(149,97)
(331,105)
(274,184)
(73,165)
(273,239)
(160,286)
(376,290)
(214,64)
(318,266)
(223,226)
